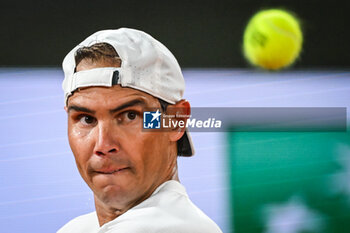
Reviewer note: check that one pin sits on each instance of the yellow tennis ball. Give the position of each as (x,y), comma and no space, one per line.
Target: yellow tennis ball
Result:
(272,39)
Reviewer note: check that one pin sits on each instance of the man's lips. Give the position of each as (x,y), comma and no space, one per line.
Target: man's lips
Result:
(108,171)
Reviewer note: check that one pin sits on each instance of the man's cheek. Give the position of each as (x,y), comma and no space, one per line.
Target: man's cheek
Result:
(80,132)
(82,156)
(81,148)
(80,138)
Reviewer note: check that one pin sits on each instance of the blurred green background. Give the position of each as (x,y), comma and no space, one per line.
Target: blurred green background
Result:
(290,181)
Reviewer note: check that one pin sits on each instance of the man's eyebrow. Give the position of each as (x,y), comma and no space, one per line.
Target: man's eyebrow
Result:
(80,109)
(128,104)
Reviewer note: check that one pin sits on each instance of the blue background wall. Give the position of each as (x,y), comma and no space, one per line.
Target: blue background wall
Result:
(40,188)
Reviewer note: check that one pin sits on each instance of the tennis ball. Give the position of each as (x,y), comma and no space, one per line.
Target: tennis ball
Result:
(272,39)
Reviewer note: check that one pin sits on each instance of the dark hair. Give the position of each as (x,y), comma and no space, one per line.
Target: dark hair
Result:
(96,52)
(163,104)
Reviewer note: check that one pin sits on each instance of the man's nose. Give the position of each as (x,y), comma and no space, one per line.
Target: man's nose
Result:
(106,141)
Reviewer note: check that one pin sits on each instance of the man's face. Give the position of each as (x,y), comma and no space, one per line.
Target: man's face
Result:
(120,163)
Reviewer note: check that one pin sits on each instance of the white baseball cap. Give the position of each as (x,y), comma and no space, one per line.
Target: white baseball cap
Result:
(147,65)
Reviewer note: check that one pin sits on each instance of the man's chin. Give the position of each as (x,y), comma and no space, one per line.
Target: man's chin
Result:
(113,196)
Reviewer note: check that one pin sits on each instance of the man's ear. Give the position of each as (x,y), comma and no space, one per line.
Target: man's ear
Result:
(66,109)
(181,112)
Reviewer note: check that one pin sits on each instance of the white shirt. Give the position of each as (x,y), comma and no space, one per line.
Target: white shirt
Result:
(167,210)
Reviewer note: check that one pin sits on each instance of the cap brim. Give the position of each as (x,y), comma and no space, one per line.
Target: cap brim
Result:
(185,145)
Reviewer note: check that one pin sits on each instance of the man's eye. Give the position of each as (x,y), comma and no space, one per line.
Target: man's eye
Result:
(131,115)
(87,120)
(127,117)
